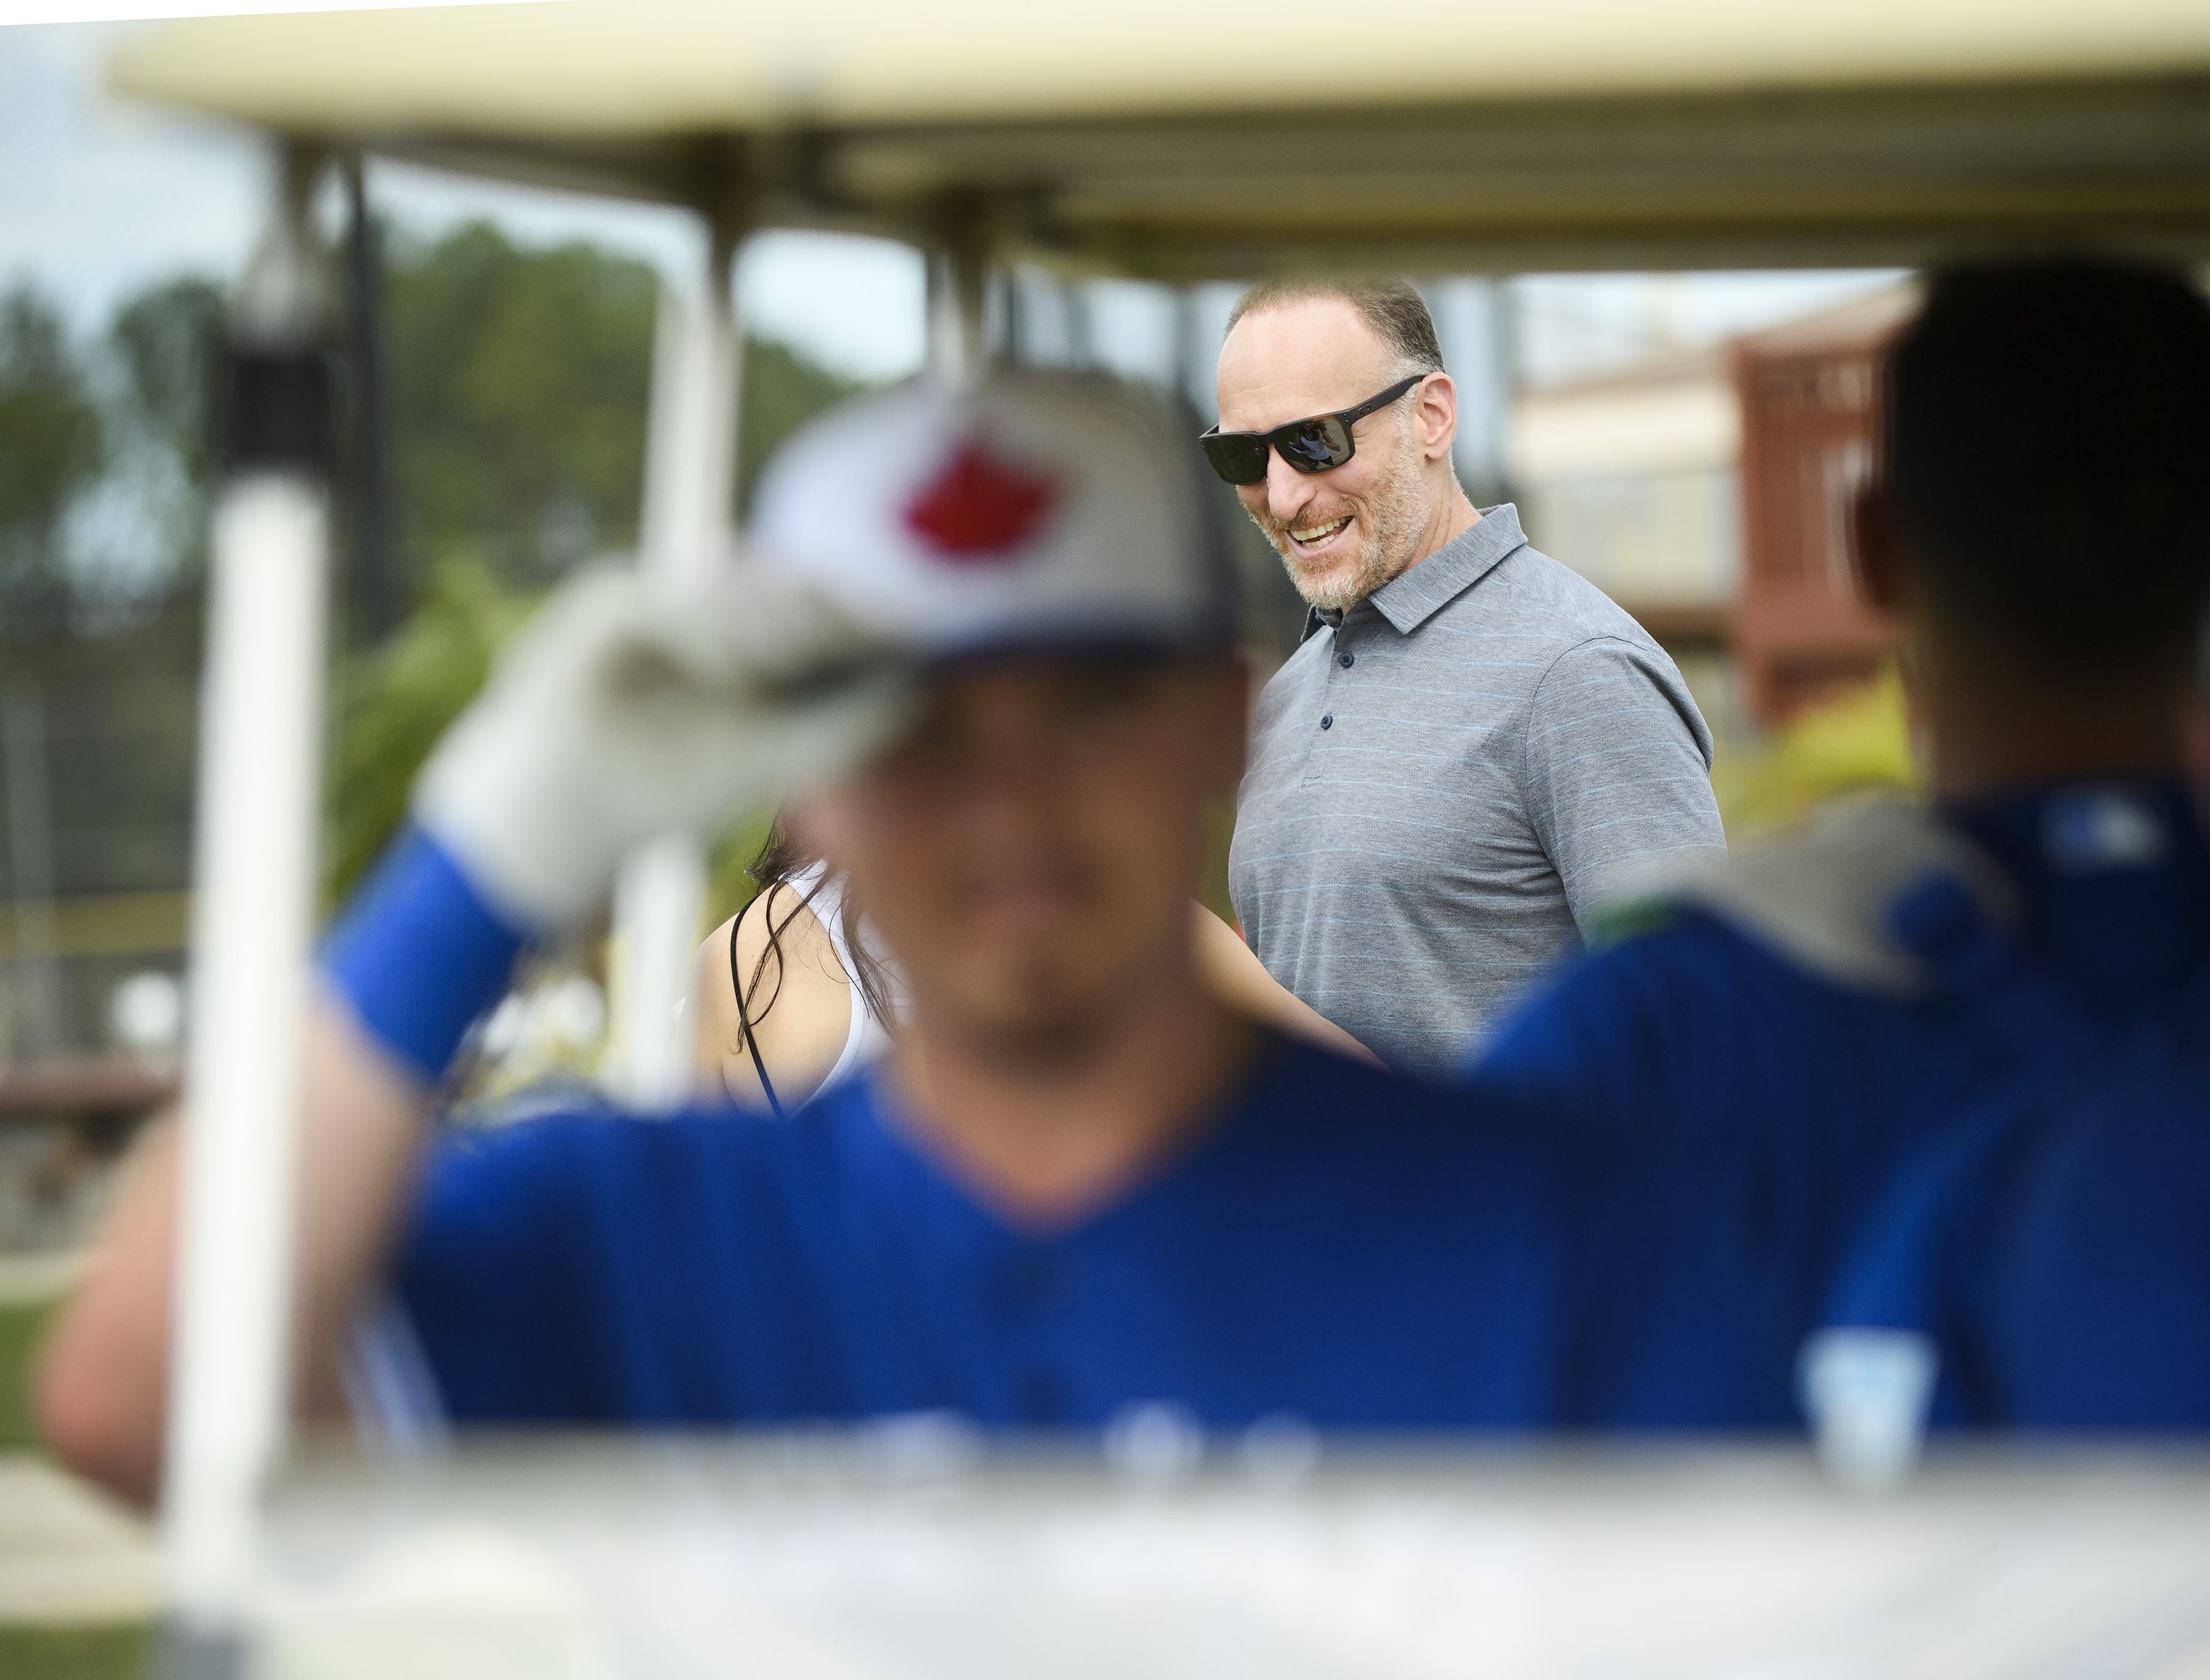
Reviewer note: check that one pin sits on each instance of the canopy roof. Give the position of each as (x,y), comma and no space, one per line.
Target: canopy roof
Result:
(1164,139)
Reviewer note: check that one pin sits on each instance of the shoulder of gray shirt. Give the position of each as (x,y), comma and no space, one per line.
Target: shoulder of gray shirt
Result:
(1583,619)
(1490,584)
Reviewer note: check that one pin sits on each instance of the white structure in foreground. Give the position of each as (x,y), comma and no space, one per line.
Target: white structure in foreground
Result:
(897,1556)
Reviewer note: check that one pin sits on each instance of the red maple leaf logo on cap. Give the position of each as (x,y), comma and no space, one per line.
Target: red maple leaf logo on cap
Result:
(981,507)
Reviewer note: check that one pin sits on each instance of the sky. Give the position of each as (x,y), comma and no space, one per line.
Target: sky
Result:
(97,199)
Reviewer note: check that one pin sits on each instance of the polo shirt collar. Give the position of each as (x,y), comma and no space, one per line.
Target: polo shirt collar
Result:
(1412,598)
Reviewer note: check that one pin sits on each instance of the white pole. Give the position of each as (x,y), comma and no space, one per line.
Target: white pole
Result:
(689,479)
(956,352)
(254,873)
(1469,320)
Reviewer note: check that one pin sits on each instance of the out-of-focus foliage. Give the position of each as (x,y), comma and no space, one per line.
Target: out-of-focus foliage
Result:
(1860,740)
(168,335)
(781,390)
(71,1650)
(395,699)
(729,888)
(22,1329)
(520,381)
(166,340)
(1220,830)
(100,668)
(519,384)
(52,447)
(518,387)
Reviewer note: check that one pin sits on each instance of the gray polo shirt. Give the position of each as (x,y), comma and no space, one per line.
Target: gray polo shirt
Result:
(1447,778)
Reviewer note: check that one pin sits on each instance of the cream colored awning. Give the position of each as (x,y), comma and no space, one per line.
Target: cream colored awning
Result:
(1167,138)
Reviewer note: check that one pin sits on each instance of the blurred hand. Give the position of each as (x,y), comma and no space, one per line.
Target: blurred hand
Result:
(624,710)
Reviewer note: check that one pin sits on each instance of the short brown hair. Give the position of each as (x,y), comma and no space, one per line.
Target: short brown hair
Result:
(1393,309)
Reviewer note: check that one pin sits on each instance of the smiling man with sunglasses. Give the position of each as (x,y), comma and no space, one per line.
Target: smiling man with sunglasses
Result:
(1473,747)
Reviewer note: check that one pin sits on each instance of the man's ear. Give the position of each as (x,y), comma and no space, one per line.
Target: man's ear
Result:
(1876,550)
(1434,415)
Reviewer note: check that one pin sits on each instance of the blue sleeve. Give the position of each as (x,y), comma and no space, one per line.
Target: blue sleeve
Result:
(1685,1053)
(418,954)
(493,1274)
(1698,1034)
(1624,1037)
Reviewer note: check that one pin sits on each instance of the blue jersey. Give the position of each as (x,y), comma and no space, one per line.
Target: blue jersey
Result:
(2052,1244)
(1789,1044)
(1339,1244)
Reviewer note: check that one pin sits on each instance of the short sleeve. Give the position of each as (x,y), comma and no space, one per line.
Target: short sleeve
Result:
(489,1277)
(1617,770)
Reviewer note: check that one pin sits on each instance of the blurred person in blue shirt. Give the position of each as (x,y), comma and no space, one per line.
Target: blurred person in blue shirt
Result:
(2042,1258)
(980,647)
(1969,1027)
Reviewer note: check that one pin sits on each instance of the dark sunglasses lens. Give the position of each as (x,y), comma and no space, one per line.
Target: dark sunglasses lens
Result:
(1314,446)
(1238,457)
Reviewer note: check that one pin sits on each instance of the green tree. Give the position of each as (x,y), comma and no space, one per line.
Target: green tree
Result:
(518,385)
(782,390)
(519,382)
(52,448)
(165,342)
(168,337)
(395,700)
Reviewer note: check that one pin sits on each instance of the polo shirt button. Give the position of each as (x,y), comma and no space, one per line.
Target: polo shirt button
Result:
(1328,722)
(1346,660)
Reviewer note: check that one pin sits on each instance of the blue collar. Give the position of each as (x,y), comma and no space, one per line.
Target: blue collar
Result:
(2113,878)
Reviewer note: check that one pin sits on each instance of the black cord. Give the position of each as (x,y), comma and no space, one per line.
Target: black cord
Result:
(745,1022)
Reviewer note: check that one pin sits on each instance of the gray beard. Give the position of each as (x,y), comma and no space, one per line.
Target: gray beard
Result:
(1393,519)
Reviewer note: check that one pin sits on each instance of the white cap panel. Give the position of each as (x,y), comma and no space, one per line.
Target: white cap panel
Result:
(1036,507)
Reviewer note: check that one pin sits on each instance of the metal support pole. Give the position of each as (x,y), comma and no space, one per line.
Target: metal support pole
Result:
(1014,338)
(690,477)
(1081,342)
(253,877)
(378,597)
(1468,314)
(959,275)
(1191,375)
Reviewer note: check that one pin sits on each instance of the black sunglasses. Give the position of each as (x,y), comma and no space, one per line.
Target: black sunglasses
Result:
(1311,445)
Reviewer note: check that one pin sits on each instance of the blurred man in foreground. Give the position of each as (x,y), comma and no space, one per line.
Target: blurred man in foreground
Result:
(1841,1024)
(1078,1182)
(2044,1256)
